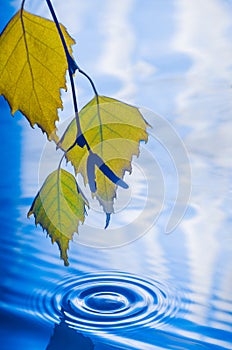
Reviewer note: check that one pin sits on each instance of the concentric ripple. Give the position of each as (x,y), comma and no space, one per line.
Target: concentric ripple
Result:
(106,301)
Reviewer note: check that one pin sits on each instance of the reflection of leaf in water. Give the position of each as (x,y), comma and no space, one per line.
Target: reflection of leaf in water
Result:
(65,338)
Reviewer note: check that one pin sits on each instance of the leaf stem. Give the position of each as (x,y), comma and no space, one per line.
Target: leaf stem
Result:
(51,9)
(90,80)
(59,166)
(71,68)
(65,152)
(96,95)
(22,5)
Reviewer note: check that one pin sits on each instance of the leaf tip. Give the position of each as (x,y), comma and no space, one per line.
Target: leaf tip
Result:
(30,211)
(64,256)
(66,263)
(108,215)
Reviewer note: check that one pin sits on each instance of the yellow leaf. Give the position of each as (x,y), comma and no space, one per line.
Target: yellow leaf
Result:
(59,207)
(113,130)
(32,68)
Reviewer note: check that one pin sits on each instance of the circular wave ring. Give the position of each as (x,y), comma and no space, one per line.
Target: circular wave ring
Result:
(108,300)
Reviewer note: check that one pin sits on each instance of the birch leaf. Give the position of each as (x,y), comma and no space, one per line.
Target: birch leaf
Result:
(113,130)
(59,207)
(32,68)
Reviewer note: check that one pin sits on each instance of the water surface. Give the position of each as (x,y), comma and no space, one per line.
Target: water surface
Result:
(160,291)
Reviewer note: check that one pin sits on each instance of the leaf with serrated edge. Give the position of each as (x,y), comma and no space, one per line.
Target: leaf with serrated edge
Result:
(32,69)
(114,134)
(59,207)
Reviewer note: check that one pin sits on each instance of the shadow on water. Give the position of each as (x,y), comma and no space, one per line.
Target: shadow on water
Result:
(64,338)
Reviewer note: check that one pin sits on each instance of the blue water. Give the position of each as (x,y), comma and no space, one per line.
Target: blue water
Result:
(155,279)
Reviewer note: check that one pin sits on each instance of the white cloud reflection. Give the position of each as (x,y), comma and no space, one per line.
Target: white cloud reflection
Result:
(202,34)
(204,105)
(119,46)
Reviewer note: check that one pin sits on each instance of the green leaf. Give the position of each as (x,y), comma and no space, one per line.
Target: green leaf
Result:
(113,130)
(32,68)
(59,207)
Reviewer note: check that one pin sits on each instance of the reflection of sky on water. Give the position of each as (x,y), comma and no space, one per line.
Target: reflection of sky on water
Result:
(205,106)
(173,57)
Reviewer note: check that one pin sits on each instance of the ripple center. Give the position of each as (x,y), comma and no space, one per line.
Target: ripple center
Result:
(106,302)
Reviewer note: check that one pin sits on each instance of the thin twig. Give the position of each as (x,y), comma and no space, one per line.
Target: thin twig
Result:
(70,70)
